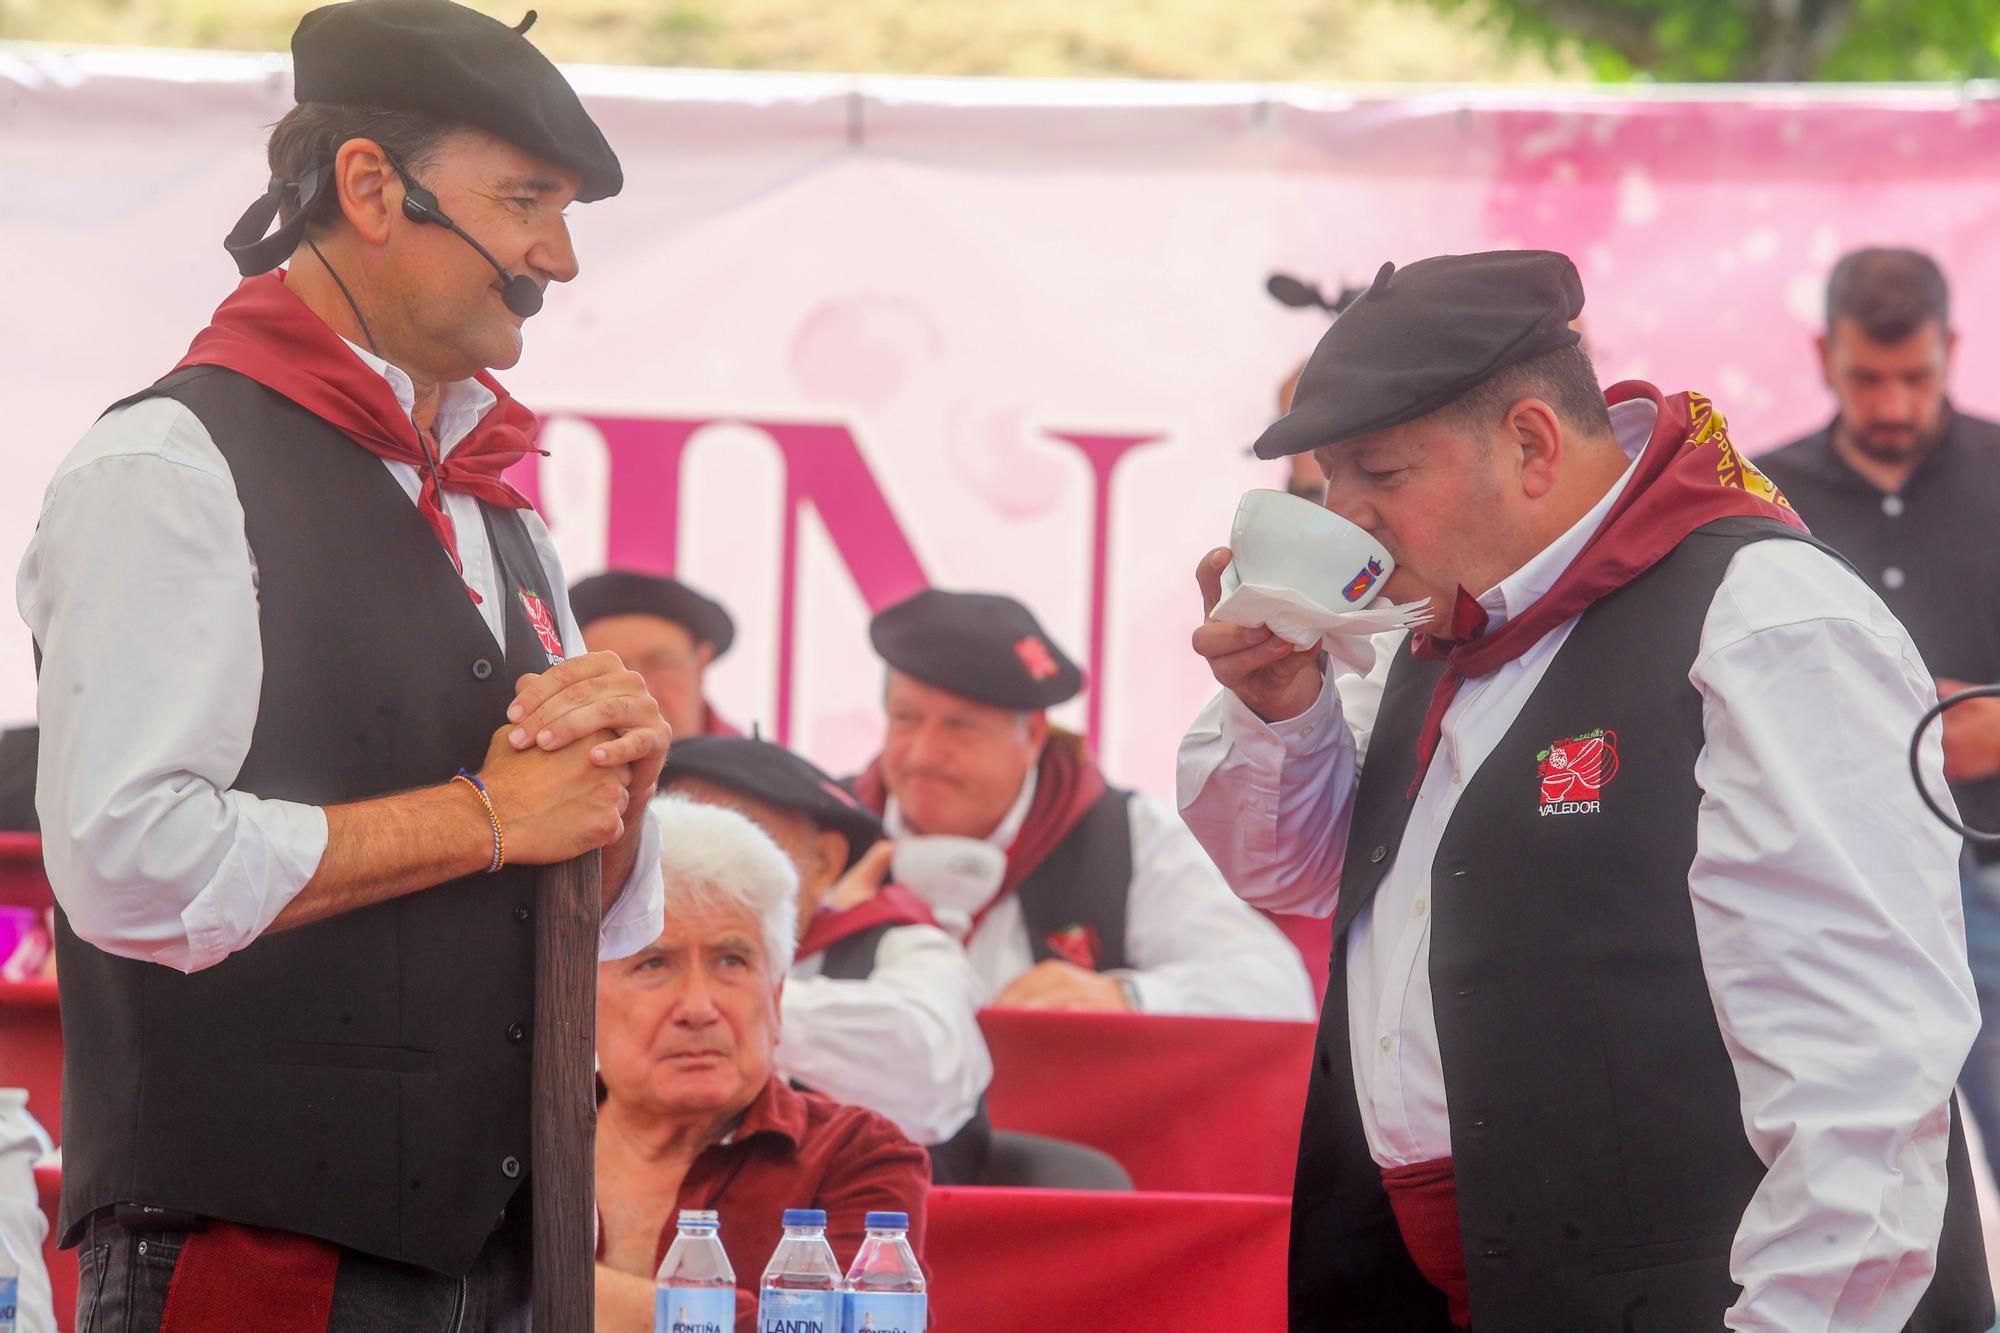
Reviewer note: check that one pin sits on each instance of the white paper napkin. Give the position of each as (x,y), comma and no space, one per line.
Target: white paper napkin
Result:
(1304,623)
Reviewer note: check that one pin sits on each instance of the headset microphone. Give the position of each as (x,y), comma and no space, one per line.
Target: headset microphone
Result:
(520,293)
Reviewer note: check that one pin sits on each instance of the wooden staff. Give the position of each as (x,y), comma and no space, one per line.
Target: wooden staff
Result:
(564,1095)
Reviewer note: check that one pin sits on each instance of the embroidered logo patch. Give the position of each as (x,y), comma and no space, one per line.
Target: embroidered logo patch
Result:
(1036,659)
(545,625)
(1363,581)
(1575,772)
(1077,944)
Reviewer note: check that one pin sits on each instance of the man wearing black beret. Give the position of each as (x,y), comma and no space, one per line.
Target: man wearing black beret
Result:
(1106,901)
(665,631)
(1649,987)
(315,707)
(881,1008)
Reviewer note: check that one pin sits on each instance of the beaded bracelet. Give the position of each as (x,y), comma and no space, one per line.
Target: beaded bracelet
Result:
(499,834)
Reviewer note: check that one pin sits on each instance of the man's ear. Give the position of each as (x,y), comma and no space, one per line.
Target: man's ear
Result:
(704,653)
(1533,428)
(829,852)
(1825,350)
(1038,730)
(362,175)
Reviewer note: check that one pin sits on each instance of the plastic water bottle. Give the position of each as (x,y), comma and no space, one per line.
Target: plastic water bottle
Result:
(10,1288)
(884,1291)
(801,1288)
(695,1289)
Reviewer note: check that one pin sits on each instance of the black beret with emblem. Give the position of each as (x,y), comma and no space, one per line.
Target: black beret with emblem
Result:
(1420,337)
(983,646)
(626,592)
(458,65)
(776,776)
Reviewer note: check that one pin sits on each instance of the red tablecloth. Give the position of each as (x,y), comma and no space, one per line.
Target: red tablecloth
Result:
(31,1052)
(1010,1261)
(1207,1105)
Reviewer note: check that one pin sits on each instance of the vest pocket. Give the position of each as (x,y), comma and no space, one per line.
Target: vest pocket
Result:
(1631,1258)
(335,1055)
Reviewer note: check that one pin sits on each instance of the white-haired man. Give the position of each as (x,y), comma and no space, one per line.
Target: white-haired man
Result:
(694,1113)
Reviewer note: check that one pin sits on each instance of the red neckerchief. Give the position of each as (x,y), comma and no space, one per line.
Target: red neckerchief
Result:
(1067,784)
(1689,474)
(714,724)
(265,332)
(893,906)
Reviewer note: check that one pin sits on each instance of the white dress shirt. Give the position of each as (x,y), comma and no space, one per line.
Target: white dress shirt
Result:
(1825,901)
(1190,946)
(903,1042)
(141,589)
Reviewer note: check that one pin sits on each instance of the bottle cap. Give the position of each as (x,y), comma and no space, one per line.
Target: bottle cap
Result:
(805,1217)
(698,1217)
(888,1221)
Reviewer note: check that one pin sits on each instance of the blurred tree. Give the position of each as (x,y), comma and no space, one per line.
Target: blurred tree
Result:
(1761,40)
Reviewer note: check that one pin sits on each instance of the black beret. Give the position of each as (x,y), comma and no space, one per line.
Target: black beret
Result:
(625,592)
(981,645)
(458,65)
(1422,336)
(774,775)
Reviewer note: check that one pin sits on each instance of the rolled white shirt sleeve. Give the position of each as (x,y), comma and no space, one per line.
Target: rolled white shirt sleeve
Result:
(1827,905)
(1191,946)
(139,587)
(903,1042)
(1269,802)
(638,915)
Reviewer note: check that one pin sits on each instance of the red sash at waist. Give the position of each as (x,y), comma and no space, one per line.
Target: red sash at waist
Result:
(230,1278)
(1424,1197)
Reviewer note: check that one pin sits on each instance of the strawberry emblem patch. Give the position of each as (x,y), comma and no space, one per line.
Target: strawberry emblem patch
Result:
(1036,659)
(1575,772)
(545,625)
(1078,945)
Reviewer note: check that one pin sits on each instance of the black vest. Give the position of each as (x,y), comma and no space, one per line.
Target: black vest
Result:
(1601,1162)
(1085,881)
(961,1159)
(363,1079)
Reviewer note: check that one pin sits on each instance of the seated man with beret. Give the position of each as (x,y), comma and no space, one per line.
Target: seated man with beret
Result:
(1107,902)
(881,1009)
(665,631)
(695,1114)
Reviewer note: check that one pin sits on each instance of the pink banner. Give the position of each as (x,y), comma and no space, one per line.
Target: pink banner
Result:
(842,338)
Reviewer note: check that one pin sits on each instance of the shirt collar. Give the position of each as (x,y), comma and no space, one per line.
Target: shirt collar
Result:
(461,403)
(1002,836)
(1632,425)
(1826,459)
(778,1110)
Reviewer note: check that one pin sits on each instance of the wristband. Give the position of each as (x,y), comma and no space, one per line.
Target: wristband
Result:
(492,815)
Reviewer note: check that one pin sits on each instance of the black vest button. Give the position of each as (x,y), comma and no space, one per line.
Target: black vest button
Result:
(1377,855)
(515,1032)
(481,669)
(521,914)
(510,1167)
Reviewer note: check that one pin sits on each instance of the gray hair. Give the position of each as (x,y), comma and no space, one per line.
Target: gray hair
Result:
(713,859)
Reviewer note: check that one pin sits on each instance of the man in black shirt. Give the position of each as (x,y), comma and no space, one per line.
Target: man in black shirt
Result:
(1907,487)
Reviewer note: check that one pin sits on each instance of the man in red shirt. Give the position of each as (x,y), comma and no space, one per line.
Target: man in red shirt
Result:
(694,1115)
